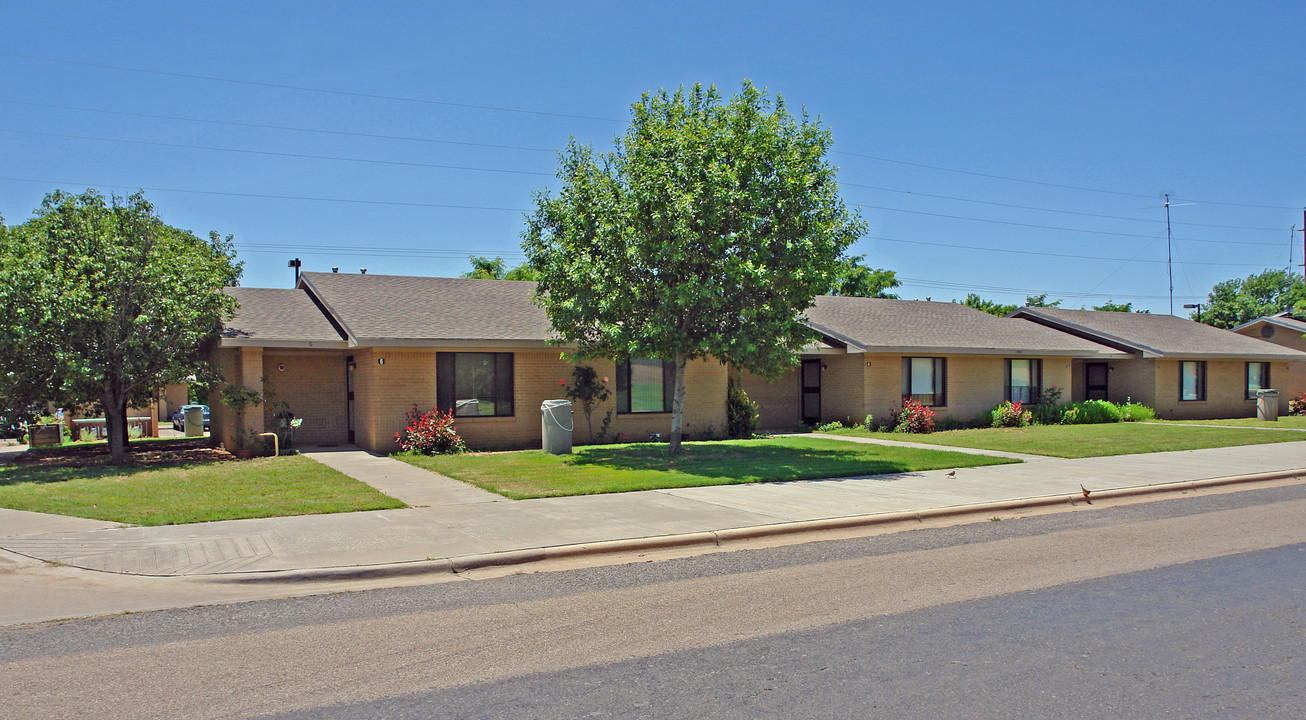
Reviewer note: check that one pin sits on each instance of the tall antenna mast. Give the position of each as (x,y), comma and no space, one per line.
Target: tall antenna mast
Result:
(1169,255)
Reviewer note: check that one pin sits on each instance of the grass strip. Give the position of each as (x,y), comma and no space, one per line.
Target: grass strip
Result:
(194,492)
(646,466)
(1079,441)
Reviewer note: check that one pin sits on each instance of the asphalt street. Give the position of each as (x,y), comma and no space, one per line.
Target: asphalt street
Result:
(1189,607)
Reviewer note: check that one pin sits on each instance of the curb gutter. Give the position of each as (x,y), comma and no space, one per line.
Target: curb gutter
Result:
(718,538)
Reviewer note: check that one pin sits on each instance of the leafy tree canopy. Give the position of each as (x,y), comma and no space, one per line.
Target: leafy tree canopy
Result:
(706,232)
(1113,306)
(484,268)
(1234,302)
(1040,301)
(855,279)
(108,304)
(988,306)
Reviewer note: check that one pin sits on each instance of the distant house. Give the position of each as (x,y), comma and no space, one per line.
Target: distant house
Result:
(1183,369)
(351,354)
(875,353)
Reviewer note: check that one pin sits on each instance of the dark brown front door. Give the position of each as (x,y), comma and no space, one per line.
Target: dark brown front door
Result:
(811,395)
(1095,381)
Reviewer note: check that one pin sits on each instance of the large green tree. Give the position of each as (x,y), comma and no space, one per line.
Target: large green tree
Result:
(1234,302)
(855,279)
(112,303)
(706,232)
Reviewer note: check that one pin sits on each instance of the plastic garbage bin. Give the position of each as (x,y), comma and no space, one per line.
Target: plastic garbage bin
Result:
(556,425)
(1267,405)
(194,421)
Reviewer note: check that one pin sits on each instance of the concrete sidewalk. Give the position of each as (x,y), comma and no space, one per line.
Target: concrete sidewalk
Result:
(452,520)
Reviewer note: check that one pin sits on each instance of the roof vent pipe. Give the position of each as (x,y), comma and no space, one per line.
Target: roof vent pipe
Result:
(362,270)
(335,269)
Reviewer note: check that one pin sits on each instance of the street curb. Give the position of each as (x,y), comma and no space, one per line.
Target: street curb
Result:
(718,538)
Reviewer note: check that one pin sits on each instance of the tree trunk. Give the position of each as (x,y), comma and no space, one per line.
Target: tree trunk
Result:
(115,425)
(678,404)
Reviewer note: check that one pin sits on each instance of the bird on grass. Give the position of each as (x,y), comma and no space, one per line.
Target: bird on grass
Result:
(1086,492)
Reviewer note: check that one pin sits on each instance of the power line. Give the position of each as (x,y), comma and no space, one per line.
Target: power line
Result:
(293,128)
(316,249)
(1053,227)
(497,108)
(275,154)
(1044,254)
(1051,210)
(924,282)
(266,196)
(304,88)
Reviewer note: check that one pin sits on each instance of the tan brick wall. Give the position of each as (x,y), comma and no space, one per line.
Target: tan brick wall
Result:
(238,366)
(1225,391)
(777,400)
(313,384)
(843,388)
(385,393)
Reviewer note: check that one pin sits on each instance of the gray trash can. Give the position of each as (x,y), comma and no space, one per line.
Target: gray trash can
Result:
(193,421)
(1267,405)
(555,426)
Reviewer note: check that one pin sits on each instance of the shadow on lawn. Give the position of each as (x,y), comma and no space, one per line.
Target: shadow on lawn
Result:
(71,462)
(771,462)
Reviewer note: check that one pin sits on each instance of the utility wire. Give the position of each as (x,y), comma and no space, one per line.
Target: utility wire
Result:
(304,88)
(1044,254)
(497,108)
(1052,210)
(262,126)
(268,197)
(410,138)
(1052,227)
(275,154)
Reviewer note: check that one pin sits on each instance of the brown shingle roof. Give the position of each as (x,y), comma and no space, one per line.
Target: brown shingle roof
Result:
(896,325)
(1157,335)
(1283,320)
(381,308)
(268,315)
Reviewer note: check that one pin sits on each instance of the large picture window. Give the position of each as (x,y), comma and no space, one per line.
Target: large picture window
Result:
(1258,378)
(474,384)
(1192,380)
(1024,380)
(645,385)
(924,380)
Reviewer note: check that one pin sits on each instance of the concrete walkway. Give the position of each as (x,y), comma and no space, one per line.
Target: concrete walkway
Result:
(452,520)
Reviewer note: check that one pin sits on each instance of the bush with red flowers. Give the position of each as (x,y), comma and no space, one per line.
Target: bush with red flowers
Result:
(430,433)
(914,418)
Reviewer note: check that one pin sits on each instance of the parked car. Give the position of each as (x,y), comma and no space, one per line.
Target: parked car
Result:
(179,417)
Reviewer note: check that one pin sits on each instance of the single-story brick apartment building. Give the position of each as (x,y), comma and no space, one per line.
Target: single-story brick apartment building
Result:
(352,353)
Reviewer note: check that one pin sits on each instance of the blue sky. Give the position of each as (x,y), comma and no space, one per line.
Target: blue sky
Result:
(1004,149)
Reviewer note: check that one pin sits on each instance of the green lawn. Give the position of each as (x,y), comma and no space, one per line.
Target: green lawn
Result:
(1076,441)
(644,466)
(186,493)
(1284,421)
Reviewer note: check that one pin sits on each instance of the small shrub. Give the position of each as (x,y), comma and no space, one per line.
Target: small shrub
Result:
(430,433)
(741,413)
(85,435)
(589,391)
(1048,410)
(1091,412)
(914,418)
(1136,412)
(1297,405)
(869,422)
(1009,414)
(830,426)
